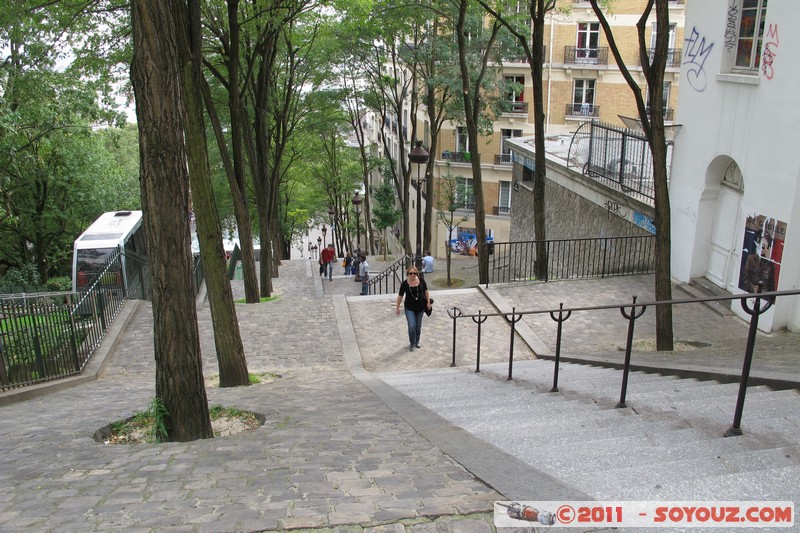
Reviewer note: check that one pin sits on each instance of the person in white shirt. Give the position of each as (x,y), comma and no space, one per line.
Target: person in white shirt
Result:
(427,263)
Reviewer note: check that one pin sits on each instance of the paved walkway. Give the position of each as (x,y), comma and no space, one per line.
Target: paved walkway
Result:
(340,449)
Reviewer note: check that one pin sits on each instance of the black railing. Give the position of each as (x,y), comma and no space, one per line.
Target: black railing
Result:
(43,338)
(585,56)
(621,158)
(457,157)
(502,159)
(674,56)
(571,258)
(388,281)
(761,302)
(514,107)
(583,110)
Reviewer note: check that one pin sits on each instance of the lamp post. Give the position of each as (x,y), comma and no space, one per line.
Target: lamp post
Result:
(357,206)
(319,245)
(419,156)
(324,232)
(331,212)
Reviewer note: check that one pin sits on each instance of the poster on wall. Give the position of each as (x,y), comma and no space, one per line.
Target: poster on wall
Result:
(762,252)
(464,241)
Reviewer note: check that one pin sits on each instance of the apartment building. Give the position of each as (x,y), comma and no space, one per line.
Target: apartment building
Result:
(581,83)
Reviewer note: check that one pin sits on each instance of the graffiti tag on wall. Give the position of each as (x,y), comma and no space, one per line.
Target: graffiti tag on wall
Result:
(613,207)
(696,55)
(770,51)
(730,26)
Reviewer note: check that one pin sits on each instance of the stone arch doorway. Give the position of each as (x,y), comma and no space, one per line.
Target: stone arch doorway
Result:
(725,188)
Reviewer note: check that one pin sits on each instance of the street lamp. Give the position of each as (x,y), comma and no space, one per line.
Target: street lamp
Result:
(419,156)
(357,206)
(319,245)
(324,231)
(331,212)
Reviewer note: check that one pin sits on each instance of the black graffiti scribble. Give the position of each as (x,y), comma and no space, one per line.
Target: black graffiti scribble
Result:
(697,53)
(730,27)
(614,208)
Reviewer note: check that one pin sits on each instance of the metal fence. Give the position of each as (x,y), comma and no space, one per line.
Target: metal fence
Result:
(571,258)
(49,336)
(621,158)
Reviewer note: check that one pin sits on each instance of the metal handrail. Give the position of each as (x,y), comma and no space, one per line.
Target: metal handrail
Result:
(394,274)
(631,312)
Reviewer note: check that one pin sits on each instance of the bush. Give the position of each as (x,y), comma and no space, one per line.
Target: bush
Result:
(23,276)
(61,283)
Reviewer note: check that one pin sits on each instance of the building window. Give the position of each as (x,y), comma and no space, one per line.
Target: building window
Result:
(505,135)
(583,98)
(516,88)
(665,92)
(588,40)
(465,194)
(462,139)
(504,202)
(751,34)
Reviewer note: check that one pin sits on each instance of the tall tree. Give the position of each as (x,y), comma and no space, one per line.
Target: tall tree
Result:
(531,38)
(156,75)
(228,342)
(651,117)
(475,50)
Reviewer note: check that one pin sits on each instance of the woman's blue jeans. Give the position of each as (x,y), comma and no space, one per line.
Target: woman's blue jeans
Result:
(414,319)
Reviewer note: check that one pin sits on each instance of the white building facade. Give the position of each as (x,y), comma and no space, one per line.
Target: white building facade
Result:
(735,176)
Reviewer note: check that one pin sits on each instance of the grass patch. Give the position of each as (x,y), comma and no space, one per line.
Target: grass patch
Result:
(441,283)
(147,427)
(261,300)
(255,378)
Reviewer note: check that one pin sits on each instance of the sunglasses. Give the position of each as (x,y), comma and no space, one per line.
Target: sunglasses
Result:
(413,273)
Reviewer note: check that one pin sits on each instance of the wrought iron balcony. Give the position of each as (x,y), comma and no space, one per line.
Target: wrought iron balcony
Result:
(502,159)
(515,107)
(583,110)
(457,157)
(501,210)
(668,113)
(585,56)
(674,56)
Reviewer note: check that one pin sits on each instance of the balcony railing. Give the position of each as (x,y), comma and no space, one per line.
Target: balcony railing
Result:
(502,159)
(668,113)
(457,157)
(585,56)
(515,107)
(674,56)
(501,210)
(583,110)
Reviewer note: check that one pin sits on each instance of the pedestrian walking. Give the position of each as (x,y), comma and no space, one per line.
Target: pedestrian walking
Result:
(417,300)
(348,264)
(363,272)
(328,256)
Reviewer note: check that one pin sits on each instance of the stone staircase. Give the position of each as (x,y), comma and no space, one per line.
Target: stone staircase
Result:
(667,444)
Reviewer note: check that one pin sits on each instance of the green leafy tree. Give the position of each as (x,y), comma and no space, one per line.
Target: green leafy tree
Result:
(450,190)
(653,64)
(384,214)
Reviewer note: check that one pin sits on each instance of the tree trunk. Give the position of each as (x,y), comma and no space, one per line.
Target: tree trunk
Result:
(164,182)
(230,352)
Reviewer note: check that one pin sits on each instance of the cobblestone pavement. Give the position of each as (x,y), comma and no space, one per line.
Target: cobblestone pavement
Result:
(333,455)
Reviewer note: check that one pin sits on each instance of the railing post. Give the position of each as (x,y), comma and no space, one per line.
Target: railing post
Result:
(454,313)
(735,430)
(561,318)
(478,320)
(628,346)
(514,319)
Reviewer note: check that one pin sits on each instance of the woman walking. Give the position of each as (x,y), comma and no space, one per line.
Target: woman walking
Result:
(417,300)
